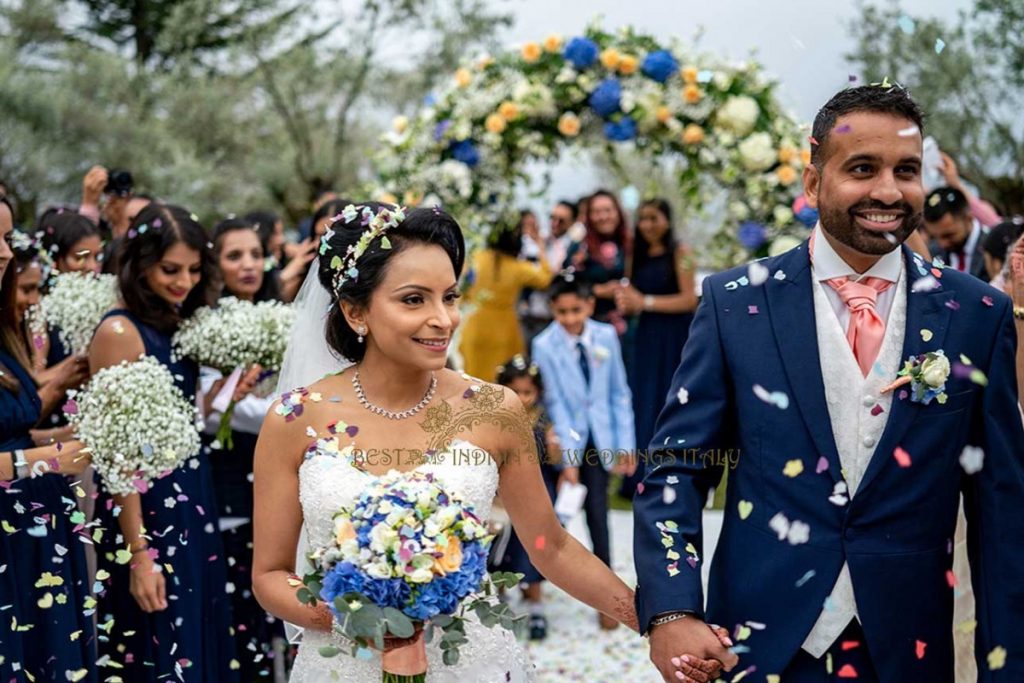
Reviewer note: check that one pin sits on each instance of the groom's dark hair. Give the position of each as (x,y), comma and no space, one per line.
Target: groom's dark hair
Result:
(883,99)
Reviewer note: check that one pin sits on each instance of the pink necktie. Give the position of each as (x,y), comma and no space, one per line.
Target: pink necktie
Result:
(866,329)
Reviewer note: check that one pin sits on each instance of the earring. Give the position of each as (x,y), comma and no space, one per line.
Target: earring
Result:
(361,331)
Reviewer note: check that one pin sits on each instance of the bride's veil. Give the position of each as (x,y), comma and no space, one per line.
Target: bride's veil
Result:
(307,359)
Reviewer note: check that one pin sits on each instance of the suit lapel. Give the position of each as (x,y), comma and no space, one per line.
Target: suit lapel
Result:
(926,310)
(791,307)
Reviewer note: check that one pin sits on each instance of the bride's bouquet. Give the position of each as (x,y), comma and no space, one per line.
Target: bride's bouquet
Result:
(232,337)
(75,305)
(136,423)
(407,559)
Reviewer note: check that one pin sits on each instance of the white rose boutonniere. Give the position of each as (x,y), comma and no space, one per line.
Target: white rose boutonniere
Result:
(601,354)
(926,374)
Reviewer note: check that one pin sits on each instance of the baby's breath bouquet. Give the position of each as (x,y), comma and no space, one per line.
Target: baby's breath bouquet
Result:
(136,422)
(234,336)
(75,305)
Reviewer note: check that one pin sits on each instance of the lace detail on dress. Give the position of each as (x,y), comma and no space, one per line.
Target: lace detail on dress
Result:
(329,480)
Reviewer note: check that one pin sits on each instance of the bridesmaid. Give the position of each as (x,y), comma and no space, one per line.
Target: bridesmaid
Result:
(663,294)
(46,631)
(602,256)
(73,244)
(259,638)
(165,613)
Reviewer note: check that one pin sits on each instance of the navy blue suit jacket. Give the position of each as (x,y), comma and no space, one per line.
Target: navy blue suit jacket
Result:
(896,533)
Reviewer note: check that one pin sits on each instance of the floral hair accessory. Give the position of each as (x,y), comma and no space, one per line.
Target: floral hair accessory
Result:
(374,225)
(926,374)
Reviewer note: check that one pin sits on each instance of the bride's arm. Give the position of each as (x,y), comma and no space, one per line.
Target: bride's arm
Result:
(277,522)
(552,550)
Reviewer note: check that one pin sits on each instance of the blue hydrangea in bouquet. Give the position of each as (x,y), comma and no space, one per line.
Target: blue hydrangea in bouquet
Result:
(409,558)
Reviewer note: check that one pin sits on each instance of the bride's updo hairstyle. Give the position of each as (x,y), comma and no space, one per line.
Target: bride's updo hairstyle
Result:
(427,226)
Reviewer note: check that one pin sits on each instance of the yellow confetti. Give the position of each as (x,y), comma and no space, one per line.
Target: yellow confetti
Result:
(293,582)
(926,335)
(102,575)
(672,555)
(7,526)
(793,468)
(122,556)
(690,549)
(772,678)
(75,635)
(672,571)
(45,602)
(967,626)
(743,632)
(235,666)
(997,658)
(74,676)
(745,507)
(316,397)
(168,567)
(48,580)
(62,599)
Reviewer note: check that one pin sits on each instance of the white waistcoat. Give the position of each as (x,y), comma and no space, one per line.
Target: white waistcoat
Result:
(851,398)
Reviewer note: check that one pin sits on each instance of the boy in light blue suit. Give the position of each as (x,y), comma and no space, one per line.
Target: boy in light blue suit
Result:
(588,400)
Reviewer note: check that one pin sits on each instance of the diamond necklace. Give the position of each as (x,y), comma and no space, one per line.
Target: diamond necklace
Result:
(387,413)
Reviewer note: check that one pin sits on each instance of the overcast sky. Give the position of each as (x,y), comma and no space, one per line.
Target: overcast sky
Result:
(800,42)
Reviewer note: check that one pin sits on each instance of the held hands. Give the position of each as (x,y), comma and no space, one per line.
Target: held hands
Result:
(690,650)
(626,466)
(148,585)
(629,300)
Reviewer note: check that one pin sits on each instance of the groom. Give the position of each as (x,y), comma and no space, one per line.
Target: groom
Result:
(835,555)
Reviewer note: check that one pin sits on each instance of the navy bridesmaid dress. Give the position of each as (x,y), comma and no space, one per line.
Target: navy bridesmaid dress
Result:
(46,628)
(658,340)
(191,640)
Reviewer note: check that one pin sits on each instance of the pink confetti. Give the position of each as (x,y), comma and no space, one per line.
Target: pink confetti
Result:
(640,488)
(903,395)
(845,128)
(692,561)
(752,310)
(951,578)
(71,408)
(813,140)
(953,305)
(987,300)
(919,647)
(902,457)
(539,543)
(822,465)
(877,410)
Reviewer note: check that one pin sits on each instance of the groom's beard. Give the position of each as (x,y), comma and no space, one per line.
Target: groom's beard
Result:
(842,225)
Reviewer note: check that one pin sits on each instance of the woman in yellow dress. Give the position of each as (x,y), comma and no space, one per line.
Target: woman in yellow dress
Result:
(491,334)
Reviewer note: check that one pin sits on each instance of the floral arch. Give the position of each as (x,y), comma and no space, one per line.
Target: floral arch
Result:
(720,122)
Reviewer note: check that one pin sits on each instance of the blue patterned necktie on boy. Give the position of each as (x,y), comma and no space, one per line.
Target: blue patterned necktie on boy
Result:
(584,364)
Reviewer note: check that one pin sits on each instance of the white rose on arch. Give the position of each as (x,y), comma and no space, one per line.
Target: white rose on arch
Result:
(758,152)
(738,114)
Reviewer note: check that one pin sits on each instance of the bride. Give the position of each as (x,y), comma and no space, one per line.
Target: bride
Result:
(388,290)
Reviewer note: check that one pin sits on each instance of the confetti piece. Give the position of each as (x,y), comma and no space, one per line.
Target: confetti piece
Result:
(906,24)
(776,398)
(845,128)
(793,468)
(779,275)
(926,335)
(668,495)
(848,645)
(940,45)
(908,132)
(742,632)
(683,396)
(972,459)
(539,542)
(745,508)
(811,139)
(757,273)
(640,488)
(987,300)
(902,457)
(953,305)
(822,465)
(919,647)
(877,410)
(997,658)
(925,284)
(752,310)
(847,671)
(852,78)
(951,578)
(805,578)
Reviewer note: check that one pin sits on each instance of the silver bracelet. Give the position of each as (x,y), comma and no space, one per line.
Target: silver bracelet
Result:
(666,618)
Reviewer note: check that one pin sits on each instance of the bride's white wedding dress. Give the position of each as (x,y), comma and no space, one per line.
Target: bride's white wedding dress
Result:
(326,483)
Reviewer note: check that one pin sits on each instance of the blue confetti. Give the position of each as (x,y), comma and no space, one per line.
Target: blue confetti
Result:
(705,76)
(940,45)
(906,24)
